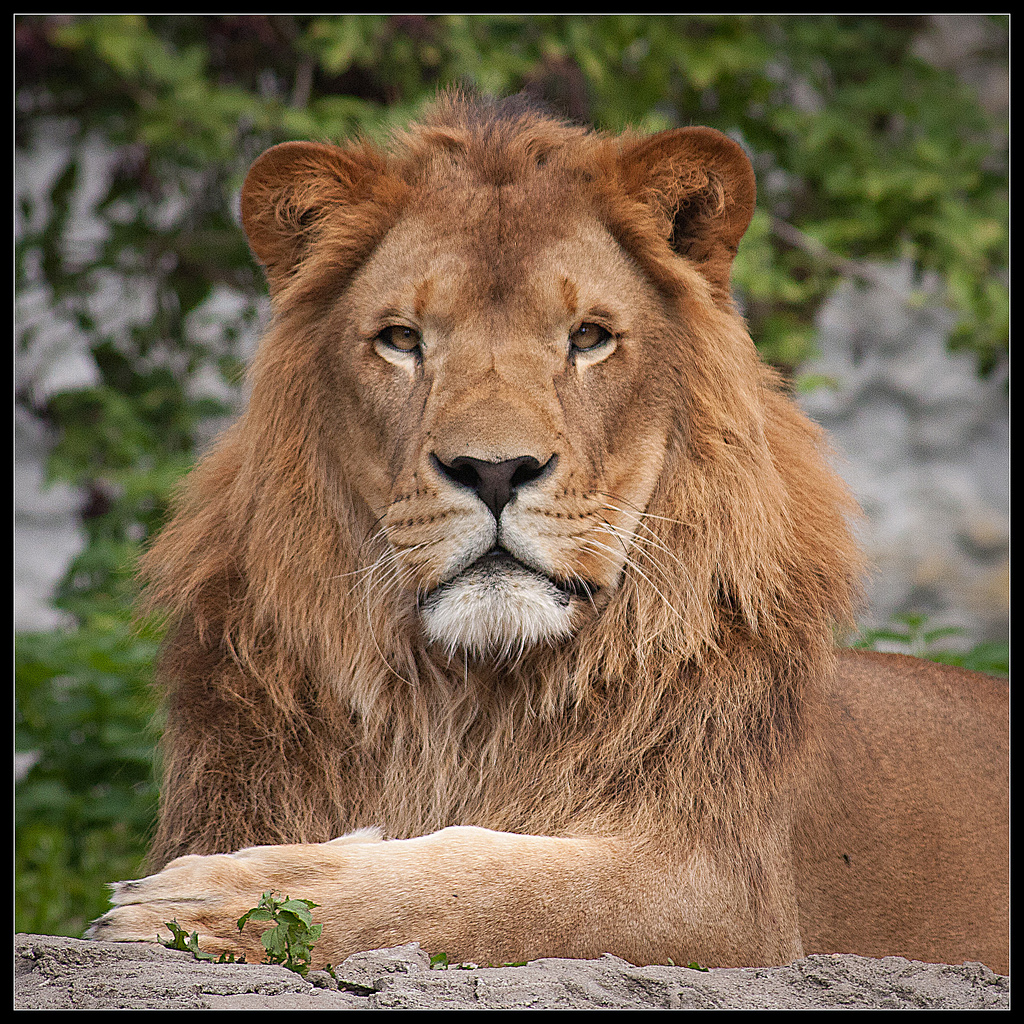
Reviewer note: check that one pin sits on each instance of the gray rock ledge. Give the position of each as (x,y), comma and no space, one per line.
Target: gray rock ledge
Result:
(53,972)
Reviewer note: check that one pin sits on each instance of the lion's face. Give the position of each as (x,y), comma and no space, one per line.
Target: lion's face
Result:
(500,369)
(496,373)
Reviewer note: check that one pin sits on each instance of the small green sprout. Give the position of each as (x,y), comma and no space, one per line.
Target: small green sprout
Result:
(182,940)
(190,944)
(290,941)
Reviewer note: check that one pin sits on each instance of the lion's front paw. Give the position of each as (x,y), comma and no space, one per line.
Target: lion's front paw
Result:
(207,895)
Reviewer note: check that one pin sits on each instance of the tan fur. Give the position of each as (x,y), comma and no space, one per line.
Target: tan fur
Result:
(668,762)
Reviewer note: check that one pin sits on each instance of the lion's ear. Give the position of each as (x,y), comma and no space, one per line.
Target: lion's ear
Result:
(701,185)
(289,190)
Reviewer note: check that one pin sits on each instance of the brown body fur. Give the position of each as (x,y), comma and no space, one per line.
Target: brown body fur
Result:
(693,773)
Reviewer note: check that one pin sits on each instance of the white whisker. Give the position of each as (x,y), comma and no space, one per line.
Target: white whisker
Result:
(598,548)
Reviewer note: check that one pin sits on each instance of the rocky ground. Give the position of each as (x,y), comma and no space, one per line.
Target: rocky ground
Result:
(60,973)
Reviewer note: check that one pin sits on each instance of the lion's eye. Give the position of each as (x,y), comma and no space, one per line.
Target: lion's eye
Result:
(589,336)
(399,338)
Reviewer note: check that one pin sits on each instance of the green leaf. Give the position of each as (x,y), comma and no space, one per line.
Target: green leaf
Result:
(189,943)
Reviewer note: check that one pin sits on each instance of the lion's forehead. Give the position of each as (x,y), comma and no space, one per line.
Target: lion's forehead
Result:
(454,263)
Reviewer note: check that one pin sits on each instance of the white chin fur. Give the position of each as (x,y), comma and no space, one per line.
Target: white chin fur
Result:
(496,611)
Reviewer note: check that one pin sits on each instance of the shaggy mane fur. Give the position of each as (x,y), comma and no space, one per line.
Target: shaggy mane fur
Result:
(301,703)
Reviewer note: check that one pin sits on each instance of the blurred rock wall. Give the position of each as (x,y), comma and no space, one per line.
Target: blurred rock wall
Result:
(924,445)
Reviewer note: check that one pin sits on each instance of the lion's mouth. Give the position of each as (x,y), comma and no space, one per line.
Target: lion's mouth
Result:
(498,565)
(498,606)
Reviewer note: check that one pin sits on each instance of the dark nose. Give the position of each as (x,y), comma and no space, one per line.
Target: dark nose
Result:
(495,483)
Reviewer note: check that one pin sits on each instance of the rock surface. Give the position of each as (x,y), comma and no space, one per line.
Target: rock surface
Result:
(924,444)
(53,972)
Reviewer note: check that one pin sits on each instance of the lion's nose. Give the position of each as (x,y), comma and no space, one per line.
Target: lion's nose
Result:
(495,483)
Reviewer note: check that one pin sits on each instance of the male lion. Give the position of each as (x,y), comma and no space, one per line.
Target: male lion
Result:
(521,574)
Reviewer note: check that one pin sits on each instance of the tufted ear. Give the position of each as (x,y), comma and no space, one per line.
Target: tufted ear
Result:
(290,190)
(700,185)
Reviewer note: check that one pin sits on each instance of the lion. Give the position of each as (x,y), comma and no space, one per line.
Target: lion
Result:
(504,620)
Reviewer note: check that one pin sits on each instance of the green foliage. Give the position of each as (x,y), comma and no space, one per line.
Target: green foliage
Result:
(290,942)
(84,810)
(911,634)
(129,252)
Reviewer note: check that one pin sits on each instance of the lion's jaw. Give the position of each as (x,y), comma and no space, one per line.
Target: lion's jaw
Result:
(495,608)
